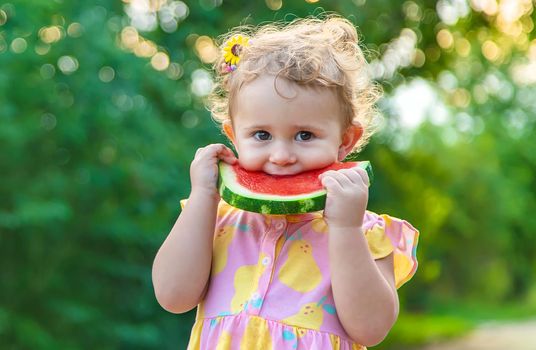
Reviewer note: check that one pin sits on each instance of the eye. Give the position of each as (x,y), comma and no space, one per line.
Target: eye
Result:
(304,136)
(262,135)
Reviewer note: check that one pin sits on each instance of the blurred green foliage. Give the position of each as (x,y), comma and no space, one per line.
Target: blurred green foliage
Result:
(101,111)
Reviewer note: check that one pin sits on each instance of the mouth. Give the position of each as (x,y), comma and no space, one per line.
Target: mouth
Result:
(274,172)
(282,172)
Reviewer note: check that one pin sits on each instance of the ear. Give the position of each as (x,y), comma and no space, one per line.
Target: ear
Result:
(228,130)
(351,135)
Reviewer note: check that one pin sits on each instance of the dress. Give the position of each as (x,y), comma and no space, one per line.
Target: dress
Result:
(270,286)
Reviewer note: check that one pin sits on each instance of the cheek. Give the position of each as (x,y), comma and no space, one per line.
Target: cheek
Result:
(249,158)
(321,156)
(250,163)
(323,151)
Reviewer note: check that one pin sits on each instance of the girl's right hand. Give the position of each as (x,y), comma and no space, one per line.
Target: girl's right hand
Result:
(204,167)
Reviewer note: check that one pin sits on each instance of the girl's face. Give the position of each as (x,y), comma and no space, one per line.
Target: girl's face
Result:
(288,135)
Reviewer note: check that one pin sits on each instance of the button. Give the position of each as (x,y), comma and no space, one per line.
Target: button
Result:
(279,225)
(255,302)
(266,261)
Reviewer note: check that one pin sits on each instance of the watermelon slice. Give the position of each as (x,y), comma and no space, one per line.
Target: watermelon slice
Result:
(277,194)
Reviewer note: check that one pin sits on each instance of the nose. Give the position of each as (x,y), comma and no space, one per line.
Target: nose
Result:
(282,155)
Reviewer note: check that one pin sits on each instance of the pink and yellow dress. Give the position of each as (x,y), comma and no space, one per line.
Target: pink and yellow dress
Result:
(270,286)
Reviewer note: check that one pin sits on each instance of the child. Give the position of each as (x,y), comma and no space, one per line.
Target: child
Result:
(290,98)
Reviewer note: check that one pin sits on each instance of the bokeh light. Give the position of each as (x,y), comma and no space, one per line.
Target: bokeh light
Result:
(201,82)
(463,47)
(146,14)
(47,71)
(67,64)
(274,4)
(460,98)
(3,17)
(400,52)
(450,11)
(209,5)
(206,49)
(489,7)
(19,45)
(145,48)
(414,102)
(445,39)
(511,10)
(75,30)
(3,44)
(129,37)
(174,71)
(106,74)
(189,119)
(48,121)
(491,50)
(41,48)
(51,34)
(412,11)
(524,73)
(419,58)
(160,61)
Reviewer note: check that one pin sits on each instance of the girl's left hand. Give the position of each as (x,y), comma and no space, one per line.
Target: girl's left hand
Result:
(347,196)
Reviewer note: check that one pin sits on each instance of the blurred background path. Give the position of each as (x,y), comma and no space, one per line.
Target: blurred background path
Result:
(495,336)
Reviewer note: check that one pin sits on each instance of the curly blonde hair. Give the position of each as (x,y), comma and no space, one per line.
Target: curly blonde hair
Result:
(311,52)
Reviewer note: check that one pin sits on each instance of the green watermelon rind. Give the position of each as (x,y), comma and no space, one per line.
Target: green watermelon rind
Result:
(240,197)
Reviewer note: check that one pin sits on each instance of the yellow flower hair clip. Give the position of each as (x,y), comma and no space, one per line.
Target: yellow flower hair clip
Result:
(232,50)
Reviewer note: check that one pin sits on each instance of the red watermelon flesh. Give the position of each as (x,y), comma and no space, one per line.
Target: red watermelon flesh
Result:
(285,185)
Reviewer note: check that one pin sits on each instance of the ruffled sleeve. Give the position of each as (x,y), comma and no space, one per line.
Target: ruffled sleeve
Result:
(386,235)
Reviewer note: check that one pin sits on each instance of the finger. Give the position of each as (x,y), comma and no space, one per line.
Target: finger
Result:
(205,149)
(330,183)
(230,159)
(355,176)
(342,178)
(217,147)
(352,175)
(227,151)
(210,151)
(227,155)
(364,175)
(327,173)
(348,178)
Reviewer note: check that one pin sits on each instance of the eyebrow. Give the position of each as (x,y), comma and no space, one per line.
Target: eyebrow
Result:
(308,127)
(257,127)
(296,126)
